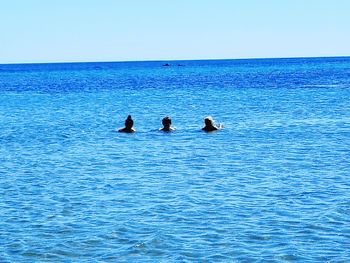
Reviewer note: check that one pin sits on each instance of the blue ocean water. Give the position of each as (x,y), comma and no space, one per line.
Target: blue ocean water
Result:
(272,186)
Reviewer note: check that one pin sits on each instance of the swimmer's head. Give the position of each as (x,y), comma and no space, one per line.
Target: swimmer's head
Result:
(166,121)
(129,122)
(209,121)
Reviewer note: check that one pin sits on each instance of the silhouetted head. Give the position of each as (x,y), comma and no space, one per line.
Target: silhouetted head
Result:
(166,122)
(209,125)
(209,121)
(129,122)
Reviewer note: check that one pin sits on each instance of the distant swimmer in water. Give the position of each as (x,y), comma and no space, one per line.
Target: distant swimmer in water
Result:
(129,123)
(209,125)
(167,125)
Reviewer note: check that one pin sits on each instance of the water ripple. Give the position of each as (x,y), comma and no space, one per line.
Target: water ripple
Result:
(271,187)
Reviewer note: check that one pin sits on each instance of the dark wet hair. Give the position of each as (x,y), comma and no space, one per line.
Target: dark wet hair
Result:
(166,121)
(129,121)
(209,121)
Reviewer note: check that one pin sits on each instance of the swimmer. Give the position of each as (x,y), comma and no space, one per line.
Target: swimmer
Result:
(129,123)
(209,125)
(167,125)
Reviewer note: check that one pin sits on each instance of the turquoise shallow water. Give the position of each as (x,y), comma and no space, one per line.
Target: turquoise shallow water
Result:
(273,186)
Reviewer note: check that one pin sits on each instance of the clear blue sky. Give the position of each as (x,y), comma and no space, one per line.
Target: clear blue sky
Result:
(119,30)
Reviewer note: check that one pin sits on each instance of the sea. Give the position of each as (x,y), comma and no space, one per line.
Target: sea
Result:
(272,186)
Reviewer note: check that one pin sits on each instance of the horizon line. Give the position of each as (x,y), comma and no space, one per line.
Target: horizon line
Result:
(169,60)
